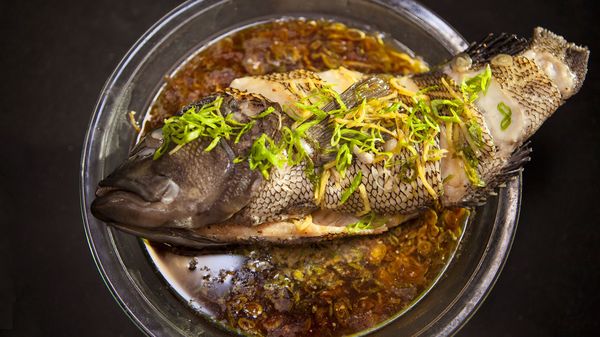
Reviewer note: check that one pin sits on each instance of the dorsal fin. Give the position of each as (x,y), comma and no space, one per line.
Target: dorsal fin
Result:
(319,136)
(370,87)
(483,51)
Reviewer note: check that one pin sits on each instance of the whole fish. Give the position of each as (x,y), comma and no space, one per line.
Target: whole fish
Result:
(309,156)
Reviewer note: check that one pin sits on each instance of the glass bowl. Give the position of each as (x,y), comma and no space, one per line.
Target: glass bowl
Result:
(121,259)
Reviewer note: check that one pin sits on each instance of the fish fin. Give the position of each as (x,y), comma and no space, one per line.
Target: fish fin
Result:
(370,87)
(174,236)
(574,56)
(512,167)
(319,138)
(515,163)
(483,51)
(320,134)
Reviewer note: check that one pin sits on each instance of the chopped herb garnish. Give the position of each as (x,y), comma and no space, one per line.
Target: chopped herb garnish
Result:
(471,164)
(451,107)
(479,83)
(196,122)
(475,132)
(507,115)
(343,159)
(367,222)
(265,154)
(212,144)
(244,129)
(353,186)
(265,113)
(191,125)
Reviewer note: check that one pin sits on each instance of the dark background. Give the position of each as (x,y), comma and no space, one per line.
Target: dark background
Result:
(55,57)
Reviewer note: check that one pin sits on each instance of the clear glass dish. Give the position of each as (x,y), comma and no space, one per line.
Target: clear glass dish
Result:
(121,259)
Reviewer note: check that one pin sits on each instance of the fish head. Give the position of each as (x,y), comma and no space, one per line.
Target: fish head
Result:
(183,189)
(167,192)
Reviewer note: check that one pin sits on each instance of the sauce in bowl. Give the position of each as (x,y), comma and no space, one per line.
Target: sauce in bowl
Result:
(327,289)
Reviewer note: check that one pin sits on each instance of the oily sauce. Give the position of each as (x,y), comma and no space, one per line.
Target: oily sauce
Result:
(279,46)
(331,288)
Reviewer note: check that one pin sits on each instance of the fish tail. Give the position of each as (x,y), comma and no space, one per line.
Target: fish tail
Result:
(574,56)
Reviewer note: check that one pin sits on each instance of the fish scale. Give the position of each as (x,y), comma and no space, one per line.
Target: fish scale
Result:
(290,188)
(287,189)
(403,196)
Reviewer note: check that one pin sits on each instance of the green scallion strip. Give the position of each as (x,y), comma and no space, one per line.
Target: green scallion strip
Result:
(265,154)
(336,97)
(471,165)
(479,83)
(353,186)
(265,113)
(244,129)
(507,115)
(475,132)
(213,144)
(343,159)
(451,105)
(367,222)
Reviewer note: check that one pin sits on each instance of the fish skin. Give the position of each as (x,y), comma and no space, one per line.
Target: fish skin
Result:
(221,202)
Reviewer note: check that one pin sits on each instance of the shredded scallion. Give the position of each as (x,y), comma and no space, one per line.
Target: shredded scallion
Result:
(353,186)
(479,83)
(506,115)
(265,154)
(367,222)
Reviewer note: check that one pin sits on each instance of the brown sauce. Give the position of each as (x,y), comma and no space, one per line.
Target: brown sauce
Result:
(328,289)
(278,46)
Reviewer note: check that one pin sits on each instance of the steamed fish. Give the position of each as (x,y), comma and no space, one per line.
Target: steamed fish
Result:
(302,156)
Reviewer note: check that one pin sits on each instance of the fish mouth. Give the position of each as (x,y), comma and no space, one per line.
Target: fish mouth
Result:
(134,196)
(129,209)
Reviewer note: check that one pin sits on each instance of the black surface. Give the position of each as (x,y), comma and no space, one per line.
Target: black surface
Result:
(55,58)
